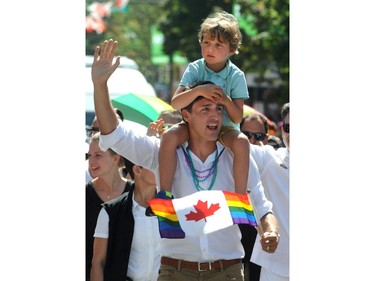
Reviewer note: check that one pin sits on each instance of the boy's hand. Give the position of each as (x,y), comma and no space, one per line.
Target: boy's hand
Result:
(212,92)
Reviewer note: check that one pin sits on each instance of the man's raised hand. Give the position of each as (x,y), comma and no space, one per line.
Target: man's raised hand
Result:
(102,67)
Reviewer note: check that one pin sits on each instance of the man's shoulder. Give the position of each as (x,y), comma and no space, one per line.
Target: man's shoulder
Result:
(282,152)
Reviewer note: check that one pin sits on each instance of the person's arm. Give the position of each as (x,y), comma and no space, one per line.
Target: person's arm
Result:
(99,259)
(268,227)
(102,69)
(183,97)
(269,231)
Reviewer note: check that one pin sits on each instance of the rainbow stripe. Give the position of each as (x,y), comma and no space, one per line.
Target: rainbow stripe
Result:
(240,208)
(169,227)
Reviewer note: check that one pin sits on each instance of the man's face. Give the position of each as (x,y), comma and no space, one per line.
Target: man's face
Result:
(204,120)
(255,132)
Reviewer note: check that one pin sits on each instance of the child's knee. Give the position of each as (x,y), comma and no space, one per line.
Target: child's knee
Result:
(169,137)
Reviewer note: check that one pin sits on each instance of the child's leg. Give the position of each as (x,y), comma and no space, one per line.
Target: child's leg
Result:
(240,146)
(170,140)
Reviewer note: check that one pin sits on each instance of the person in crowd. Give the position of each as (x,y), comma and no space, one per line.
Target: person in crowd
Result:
(220,38)
(166,119)
(91,130)
(203,163)
(255,127)
(274,172)
(275,142)
(94,128)
(125,239)
(107,183)
(170,117)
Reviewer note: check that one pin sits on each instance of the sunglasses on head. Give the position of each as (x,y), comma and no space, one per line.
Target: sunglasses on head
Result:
(257,136)
(286,128)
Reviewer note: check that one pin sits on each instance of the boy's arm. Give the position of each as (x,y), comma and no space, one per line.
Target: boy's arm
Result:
(177,100)
(183,97)
(234,108)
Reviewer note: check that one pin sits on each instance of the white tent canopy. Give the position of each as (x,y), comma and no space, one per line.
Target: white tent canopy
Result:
(122,81)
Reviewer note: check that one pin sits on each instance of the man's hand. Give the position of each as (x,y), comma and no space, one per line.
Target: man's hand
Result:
(270,241)
(269,231)
(102,67)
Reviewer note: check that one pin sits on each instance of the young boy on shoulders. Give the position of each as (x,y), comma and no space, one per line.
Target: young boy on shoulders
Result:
(220,38)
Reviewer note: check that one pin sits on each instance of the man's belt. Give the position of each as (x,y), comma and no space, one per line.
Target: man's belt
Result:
(199,266)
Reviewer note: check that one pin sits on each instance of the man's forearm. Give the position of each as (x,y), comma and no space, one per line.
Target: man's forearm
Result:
(269,232)
(103,109)
(269,223)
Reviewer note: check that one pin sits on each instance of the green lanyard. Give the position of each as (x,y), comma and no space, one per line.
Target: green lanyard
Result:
(197,174)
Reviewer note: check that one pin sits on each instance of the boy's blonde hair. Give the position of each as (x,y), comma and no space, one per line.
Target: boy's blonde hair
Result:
(224,26)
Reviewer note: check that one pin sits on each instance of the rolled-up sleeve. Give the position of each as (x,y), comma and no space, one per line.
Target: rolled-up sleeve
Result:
(138,148)
(258,199)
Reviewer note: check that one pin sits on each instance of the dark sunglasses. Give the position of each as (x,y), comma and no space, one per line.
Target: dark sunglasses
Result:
(91,130)
(257,136)
(286,128)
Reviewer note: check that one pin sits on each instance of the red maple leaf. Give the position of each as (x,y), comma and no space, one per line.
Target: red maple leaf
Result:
(202,211)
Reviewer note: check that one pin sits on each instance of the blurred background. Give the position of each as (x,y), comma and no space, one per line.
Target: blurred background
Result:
(157,39)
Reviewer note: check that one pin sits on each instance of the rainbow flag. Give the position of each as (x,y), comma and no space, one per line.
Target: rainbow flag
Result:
(202,212)
(169,227)
(240,208)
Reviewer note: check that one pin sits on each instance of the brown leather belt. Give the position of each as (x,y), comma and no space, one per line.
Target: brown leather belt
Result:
(199,266)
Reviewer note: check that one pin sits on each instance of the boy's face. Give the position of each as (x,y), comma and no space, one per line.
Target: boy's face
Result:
(215,51)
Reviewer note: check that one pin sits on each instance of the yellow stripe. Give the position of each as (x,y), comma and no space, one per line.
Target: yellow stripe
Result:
(239,204)
(172,217)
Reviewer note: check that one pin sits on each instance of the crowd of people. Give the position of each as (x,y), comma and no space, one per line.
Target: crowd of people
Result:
(205,143)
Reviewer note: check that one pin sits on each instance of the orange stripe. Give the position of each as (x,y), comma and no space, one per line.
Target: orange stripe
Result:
(162,205)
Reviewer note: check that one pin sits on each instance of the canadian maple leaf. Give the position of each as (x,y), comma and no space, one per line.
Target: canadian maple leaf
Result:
(202,211)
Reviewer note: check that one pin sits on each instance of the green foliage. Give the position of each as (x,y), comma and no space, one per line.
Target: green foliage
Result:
(268,50)
(132,30)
